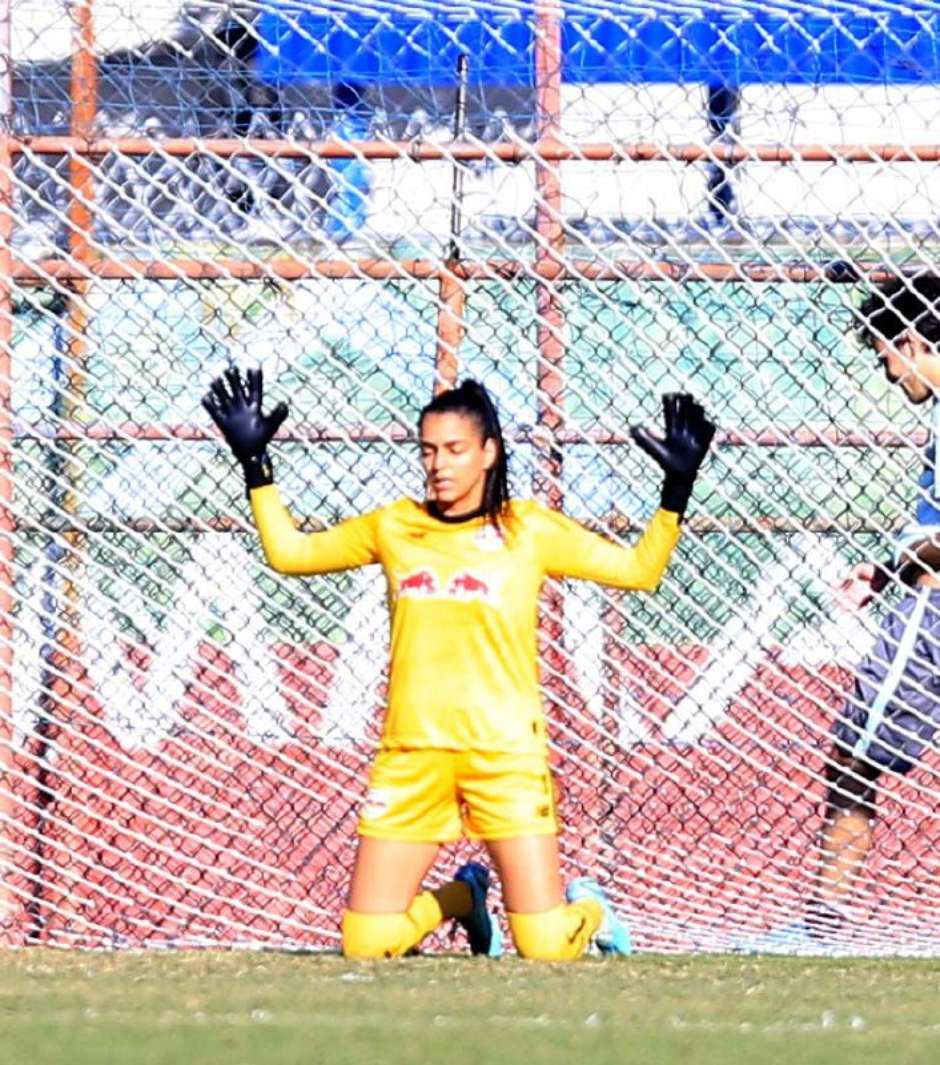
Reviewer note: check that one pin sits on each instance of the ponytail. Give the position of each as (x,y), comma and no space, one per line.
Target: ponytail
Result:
(470,398)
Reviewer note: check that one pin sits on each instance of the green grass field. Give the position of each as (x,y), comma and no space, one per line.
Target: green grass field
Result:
(274,1009)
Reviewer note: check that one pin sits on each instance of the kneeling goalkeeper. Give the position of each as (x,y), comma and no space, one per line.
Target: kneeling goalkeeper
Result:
(463,748)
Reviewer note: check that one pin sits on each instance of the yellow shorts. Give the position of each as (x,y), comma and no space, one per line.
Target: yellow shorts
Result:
(435,796)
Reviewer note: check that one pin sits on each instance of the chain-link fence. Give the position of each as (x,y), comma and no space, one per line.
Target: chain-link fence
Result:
(600,205)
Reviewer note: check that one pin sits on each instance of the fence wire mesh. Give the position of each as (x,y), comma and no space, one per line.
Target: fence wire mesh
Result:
(611,205)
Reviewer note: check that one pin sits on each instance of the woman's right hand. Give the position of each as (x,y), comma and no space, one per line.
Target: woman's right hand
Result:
(682,450)
(236,408)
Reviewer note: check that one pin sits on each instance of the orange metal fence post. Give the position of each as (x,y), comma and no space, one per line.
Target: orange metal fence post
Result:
(549,254)
(62,697)
(551,269)
(83,93)
(452,294)
(449,331)
(7,520)
(550,250)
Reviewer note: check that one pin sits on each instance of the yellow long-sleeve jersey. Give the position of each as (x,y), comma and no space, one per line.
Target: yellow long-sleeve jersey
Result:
(463,600)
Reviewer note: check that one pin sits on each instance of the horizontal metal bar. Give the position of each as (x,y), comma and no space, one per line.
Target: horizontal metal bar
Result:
(771,437)
(703,525)
(551,268)
(517,151)
(147,526)
(282,268)
(616,523)
(132,431)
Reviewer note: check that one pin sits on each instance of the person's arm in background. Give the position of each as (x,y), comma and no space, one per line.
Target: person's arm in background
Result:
(866,580)
(924,556)
(916,552)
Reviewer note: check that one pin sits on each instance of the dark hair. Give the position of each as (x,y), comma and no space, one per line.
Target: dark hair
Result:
(895,306)
(471,399)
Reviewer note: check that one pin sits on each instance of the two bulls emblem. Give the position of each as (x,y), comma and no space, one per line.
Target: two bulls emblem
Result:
(423,584)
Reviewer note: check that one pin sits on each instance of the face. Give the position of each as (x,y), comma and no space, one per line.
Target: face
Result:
(455,459)
(913,364)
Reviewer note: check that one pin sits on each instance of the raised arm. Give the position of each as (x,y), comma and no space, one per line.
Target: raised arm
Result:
(236,408)
(567,549)
(573,551)
(346,545)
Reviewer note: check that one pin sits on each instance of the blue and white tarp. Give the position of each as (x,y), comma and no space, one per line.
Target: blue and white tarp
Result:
(728,43)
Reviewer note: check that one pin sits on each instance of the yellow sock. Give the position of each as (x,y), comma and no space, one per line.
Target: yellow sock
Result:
(389,935)
(561,934)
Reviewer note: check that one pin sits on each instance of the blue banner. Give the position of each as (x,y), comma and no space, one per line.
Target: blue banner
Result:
(621,47)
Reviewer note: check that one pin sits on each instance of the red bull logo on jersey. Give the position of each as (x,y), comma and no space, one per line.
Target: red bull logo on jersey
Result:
(419,584)
(466,585)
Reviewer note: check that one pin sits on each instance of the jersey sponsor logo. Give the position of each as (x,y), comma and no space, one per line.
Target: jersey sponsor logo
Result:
(467,585)
(419,584)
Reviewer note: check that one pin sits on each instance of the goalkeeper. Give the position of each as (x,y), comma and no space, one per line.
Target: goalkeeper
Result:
(463,748)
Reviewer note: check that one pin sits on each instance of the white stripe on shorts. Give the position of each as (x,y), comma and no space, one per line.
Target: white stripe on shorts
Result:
(876,713)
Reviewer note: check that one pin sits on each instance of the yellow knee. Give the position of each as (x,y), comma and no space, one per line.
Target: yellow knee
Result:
(561,934)
(389,935)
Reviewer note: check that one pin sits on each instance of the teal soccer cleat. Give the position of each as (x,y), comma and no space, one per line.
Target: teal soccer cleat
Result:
(481,926)
(613,936)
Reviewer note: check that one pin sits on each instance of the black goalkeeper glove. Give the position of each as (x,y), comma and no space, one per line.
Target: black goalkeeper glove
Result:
(236,410)
(681,451)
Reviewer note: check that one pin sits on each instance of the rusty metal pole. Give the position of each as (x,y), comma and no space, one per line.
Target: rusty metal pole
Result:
(575,734)
(451,292)
(61,696)
(550,252)
(83,93)
(83,90)
(8,902)
(452,298)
